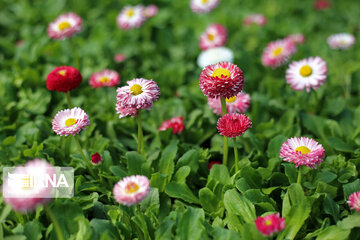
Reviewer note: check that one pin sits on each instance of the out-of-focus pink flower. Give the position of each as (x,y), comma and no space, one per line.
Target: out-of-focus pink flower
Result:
(270,224)
(131,17)
(296,38)
(215,35)
(203,6)
(258,19)
(150,10)
(277,53)
(29,197)
(236,104)
(65,26)
(176,123)
(322,4)
(131,190)
(119,57)
(105,78)
(354,201)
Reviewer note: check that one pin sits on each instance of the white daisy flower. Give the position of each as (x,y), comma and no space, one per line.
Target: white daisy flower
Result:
(306,74)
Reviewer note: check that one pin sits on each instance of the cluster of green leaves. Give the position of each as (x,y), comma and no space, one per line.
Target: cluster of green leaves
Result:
(187,201)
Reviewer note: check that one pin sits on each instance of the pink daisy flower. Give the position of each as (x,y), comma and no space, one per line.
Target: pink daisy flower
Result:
(70,121)
(131,17)
(270,224)
(124,112)
(131,190)
(354,201)
(65,26)
(296,38)
(105,78)
(96,158)
(258,19)
(27,198)
(302,152)
(176,123)
(236,104)
(277,53)
(119,57)
(341,41)
(306,74)
(150,11)
(215,35)
(223,80)
(233,124)
(140,94)
(203,6)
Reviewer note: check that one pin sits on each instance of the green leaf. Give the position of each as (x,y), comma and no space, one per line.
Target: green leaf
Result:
(166,164)
(159,181)
(181,174)
(331,208)
(191,225)
(104,228)
(239,205)
(352,221)
(252,177)
(339,145)
(350,188)
(191,159)
(218,173)
(118,171)
(296,209)
(9,140)
(333,232)
(275,145)
(225,234)
(181,191)
(208,200)
(165,230)
(290,172)
(134,162)
(32,230)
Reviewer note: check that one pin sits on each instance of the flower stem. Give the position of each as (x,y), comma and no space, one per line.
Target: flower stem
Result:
(299,176)
(76,58)
(140,133)
(57,227)
(68,98)
(87,162)
(236,156)
(224,111)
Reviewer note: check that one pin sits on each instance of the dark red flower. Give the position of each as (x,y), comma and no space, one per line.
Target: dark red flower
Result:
(212,164)
(63,79)
(96,159)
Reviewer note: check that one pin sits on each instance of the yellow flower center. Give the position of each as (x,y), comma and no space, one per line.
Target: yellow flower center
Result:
(268,222)
(211,36)
(70,121)
(64,25)
(131,187)
(220,72)
(231,100)
(204,1)
(305,71)
(303,150)
(104,79)
(136,89)
(277,51)
(62,72)
(130,12)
